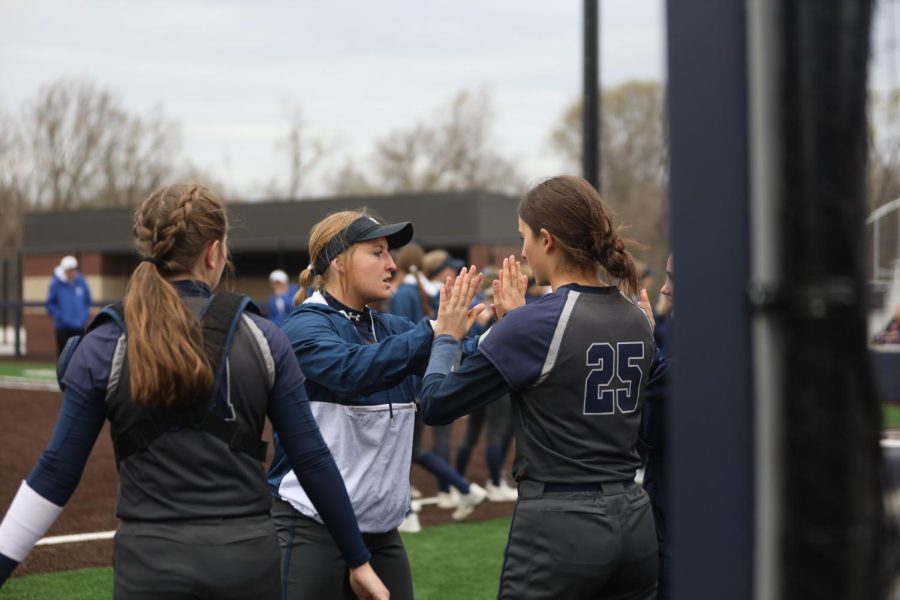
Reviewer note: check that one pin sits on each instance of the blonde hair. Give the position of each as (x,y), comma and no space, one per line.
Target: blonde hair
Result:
(167,363)
(319,236)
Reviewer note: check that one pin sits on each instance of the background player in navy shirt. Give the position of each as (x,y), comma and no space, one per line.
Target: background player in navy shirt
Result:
(193,502)
(575,363)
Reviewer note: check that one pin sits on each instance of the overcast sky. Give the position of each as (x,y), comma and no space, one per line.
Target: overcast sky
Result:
(230,72)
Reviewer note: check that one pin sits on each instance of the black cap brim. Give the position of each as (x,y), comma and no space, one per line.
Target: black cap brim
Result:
(397,234)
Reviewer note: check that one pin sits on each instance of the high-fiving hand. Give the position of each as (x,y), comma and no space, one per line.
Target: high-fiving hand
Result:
(509,288)
(454,315)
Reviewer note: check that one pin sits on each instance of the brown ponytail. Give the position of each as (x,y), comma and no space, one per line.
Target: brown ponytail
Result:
(322,233)
(571,210)
(409,259)
(172,229)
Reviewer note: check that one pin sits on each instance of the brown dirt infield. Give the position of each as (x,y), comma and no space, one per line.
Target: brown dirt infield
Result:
(26,423)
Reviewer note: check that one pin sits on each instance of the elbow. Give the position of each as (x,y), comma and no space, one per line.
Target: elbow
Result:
(430,413)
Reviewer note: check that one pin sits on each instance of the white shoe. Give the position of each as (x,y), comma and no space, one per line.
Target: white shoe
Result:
(447,499)
(410,524)
(468,502)
(501,492)
(415,493)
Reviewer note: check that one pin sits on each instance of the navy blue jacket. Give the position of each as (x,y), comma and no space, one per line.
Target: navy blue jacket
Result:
(362,396)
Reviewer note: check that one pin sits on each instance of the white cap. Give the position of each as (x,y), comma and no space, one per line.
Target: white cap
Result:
(278,275)
(68,263)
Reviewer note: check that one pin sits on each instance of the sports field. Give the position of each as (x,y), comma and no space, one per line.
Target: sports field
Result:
(448,561)
(469,554)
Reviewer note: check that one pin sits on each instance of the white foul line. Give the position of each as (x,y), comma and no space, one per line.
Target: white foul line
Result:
(76,537)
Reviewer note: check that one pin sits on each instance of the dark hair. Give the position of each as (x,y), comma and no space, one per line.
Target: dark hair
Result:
(166,359)
(409,260)
(571,210)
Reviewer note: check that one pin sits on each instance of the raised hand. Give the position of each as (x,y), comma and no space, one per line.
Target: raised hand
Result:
(366,584)
(509,288)
(454,315)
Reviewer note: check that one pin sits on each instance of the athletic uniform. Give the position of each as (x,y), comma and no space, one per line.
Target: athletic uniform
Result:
(358,367)
(193,506)
(575,364)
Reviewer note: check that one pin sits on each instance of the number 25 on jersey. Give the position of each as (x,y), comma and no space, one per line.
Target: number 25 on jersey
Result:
(615,379)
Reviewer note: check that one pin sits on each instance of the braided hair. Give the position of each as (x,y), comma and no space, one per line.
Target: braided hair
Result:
(571,210)
(172,229)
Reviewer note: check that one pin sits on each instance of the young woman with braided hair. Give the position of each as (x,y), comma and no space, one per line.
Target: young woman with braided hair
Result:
(575,363)
(359,366)
(186,378)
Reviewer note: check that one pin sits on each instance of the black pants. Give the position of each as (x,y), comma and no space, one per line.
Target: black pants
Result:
(313,568)
(63,335)
(580,545)
(228,559)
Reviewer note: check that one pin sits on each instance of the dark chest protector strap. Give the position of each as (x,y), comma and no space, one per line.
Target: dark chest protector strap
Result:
(219,320)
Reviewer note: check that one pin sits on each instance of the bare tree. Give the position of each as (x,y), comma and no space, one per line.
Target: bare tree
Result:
(304,153)
(12,198)
(82,148)
(450,151)
(633,156)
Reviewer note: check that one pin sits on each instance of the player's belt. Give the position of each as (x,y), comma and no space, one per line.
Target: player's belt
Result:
(536,489)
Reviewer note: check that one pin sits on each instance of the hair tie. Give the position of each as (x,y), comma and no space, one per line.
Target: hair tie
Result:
(151,260)
(413,268)
(311,269)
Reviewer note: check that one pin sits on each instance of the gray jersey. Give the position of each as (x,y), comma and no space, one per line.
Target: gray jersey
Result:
(577,361)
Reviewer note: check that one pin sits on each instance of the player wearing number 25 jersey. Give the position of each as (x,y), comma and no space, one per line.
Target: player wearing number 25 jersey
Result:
(575,363)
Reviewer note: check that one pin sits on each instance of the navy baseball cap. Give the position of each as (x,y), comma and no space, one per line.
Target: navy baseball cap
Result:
(362,230)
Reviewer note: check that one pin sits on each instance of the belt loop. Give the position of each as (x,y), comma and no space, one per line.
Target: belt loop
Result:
(529,489)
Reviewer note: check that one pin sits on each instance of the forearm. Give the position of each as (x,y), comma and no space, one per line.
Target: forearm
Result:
(363,368)
(447,395)
(29,517)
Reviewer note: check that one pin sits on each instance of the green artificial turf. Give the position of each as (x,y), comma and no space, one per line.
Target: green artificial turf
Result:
(448,562)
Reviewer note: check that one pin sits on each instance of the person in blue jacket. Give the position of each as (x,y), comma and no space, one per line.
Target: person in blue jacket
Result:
(358,364)
(193,502)
(68,301)
(281,297)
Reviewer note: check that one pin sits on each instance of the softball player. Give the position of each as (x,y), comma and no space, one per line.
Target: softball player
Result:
(187,379)
(358,365)
(575,363)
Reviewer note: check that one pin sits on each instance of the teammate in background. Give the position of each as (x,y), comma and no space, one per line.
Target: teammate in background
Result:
(412,300)
(358,365)
(653,443)
(68,301)
(438,265)
(193,502)
(281,297)
(575,363)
